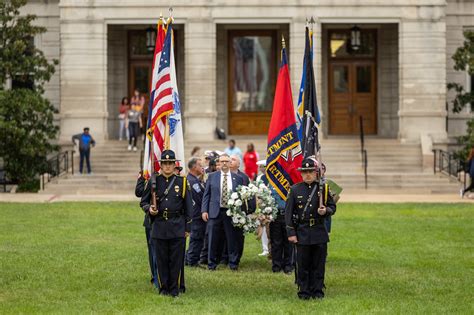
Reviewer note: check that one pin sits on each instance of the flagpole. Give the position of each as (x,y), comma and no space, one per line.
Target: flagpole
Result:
(153,160)
(167,133)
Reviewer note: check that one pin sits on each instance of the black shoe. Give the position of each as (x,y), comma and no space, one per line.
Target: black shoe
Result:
(234,268)
(276,270)
(211,268)
(288,271)
(318,296)
(193,265)
(203,262)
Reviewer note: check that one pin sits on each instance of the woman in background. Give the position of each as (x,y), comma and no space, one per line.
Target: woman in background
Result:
(123,109)
(250,161)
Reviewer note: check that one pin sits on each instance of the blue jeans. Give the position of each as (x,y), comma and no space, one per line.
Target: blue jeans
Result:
(85,154)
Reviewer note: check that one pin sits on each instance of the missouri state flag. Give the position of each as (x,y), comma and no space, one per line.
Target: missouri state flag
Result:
(283,149)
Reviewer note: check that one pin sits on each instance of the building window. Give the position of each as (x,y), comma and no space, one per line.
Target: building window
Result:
(253,71)
(138,45)
(25,80)
(22,82)
(340,44)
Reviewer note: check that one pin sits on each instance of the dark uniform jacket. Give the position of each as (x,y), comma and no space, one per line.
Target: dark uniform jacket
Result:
(139,190)
(197,190)
(140,187)
(175,210)
(308,228)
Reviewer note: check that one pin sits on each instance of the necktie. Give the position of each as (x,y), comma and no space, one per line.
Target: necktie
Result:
(225,192)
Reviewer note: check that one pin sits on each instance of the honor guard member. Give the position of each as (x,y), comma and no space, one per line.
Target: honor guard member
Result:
(198,227)
(168,202)
(139,190)
(305,224)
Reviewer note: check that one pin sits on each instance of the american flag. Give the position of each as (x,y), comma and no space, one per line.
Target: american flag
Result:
(161,100)
(162,97)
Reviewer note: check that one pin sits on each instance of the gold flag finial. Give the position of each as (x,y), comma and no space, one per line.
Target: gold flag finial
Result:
(283,45)
(160,19)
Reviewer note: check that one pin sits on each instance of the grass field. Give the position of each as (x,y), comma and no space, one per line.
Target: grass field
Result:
(91,258)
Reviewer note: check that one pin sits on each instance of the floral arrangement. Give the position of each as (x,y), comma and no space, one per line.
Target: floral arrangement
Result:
(266,206)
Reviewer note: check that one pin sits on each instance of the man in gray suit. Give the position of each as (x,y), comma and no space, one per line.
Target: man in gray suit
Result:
(219,187)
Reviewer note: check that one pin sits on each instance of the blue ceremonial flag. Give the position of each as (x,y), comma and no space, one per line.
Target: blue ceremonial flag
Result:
(309,112)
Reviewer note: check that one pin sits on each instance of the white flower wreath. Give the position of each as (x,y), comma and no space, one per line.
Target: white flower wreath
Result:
(266,206)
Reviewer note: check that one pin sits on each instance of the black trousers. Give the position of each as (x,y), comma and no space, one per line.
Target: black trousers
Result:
(169,255)
(215,240)
(196,242)
(85,154)
(205,248)
(310,264)
(280,247)
(240,242)
(240,239)
(151,259)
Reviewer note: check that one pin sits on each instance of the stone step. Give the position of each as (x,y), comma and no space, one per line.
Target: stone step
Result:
(392,166)
(80,191)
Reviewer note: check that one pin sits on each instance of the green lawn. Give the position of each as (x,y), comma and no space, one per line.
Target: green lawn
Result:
(91,257)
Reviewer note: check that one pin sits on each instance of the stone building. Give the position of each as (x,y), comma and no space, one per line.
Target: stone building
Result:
(227,55)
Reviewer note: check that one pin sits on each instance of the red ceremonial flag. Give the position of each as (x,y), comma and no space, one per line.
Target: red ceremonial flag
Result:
(283,150)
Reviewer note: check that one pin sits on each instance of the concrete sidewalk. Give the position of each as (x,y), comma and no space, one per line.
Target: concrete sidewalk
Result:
(358,197)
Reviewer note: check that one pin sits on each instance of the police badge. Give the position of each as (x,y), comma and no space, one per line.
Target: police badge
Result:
(176,188)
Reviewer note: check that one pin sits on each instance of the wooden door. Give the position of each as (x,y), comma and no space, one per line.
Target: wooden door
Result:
(340,98)
(252,66)
(140,78)
(363,97)
(352,93)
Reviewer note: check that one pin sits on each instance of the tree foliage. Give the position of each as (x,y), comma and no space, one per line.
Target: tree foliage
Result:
(26,118)
(464,61)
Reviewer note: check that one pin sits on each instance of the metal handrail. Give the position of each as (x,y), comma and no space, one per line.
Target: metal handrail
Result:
(363,151)
(58,165)
(448,164)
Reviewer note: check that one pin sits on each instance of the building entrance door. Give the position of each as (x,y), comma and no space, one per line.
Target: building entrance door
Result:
(352,84)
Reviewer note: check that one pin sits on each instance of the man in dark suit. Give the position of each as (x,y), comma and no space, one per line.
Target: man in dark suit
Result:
(219,187)
(170,213)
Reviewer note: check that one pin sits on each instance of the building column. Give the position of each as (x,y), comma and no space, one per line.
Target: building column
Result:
(422,75)
(83,76)
(200,79)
